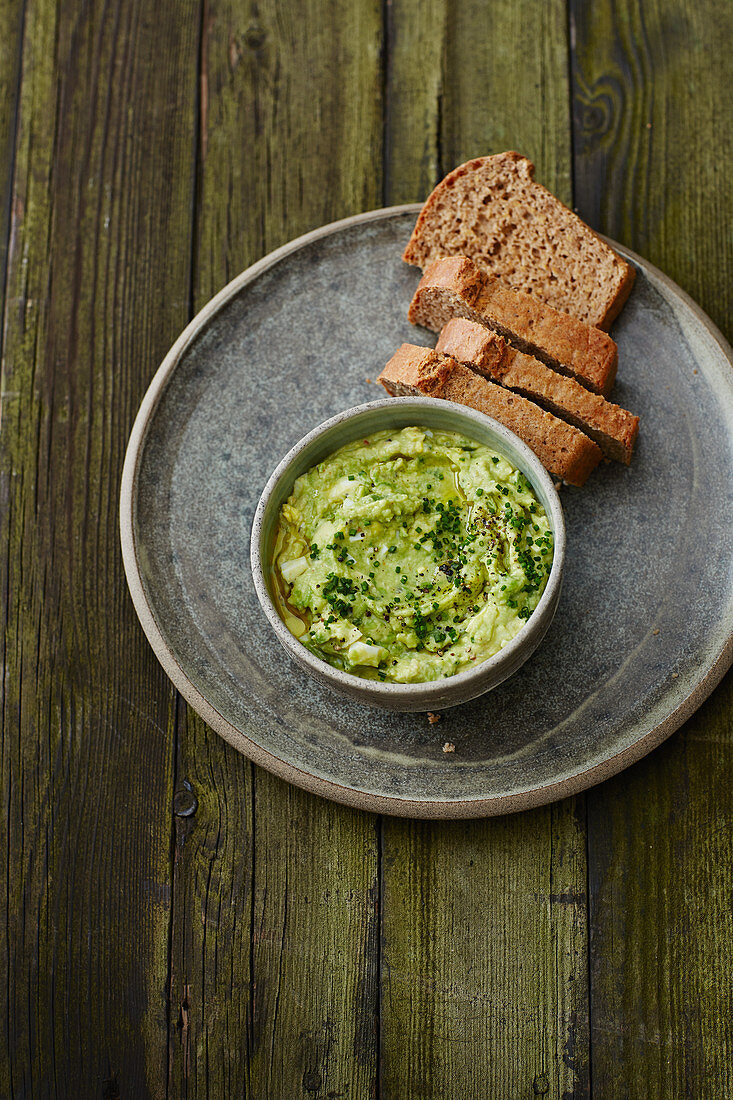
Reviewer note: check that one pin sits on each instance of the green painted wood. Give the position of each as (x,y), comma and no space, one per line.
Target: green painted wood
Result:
(662,923)
(314,947)
(453,93)
(11,47)
(291,126)
(268,983)
(506,86)
(654,163)
(484,980)
(484,962)
(274,943)
(210,986)
(97,287)
(654,157)
(414,78)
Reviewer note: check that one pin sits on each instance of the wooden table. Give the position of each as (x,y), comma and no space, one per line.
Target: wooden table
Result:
(178,923)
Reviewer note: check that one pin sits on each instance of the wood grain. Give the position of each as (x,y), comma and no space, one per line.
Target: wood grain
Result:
(484,957)
(506,86)
(654,152)
(275,907)
(484,965)
(12,20)
(654,156)
(176,922)
(452,91)
(314,946)
(291,134)
(414,84)
(97,287)
(662,924)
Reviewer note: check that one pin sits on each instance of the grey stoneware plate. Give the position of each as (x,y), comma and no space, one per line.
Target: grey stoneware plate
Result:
(644,629)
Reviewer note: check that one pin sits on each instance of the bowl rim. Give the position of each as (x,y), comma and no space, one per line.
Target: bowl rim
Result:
(431,691)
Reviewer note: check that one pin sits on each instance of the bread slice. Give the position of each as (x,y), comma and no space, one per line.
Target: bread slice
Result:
(613,428)
(492,210)
(561,448)
(456,287)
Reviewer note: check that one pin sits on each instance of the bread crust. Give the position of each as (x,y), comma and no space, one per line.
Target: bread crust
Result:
(613,428)
(492,209)
(562,449)
(456,287)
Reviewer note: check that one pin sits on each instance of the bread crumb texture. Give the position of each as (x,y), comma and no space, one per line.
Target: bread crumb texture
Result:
(492,210)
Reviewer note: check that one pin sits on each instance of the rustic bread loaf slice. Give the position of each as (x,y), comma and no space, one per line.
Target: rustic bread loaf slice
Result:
(613,428)
(561,448)
(492,210)
(456,287)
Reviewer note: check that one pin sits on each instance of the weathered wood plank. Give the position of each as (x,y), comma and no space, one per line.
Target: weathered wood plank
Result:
(506,86)
(485,923)
(484,957)
(314,947)
(654,164)
(12,20)
(413,98)
(291,134)
(210,989)
(661,918)
(97,287)
(653,136)
(274,915)
(453,91)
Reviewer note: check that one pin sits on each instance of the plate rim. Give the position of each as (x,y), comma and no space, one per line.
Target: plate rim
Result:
(450,808)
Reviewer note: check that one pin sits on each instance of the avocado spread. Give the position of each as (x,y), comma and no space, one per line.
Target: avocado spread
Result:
(410,556)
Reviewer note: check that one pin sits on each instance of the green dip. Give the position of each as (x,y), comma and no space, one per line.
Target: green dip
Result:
(410,556)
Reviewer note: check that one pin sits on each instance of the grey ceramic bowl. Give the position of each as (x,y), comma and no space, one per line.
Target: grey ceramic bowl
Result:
(400,413)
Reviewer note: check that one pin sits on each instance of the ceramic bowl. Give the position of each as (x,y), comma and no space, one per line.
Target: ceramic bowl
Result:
(395,413)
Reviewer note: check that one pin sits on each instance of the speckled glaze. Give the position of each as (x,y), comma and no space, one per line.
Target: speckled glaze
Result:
(396,413)
(644,623)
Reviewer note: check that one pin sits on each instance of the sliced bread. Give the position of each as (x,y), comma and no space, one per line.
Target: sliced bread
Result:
(456,287)
(562,449)
(492,210)
(613,428)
